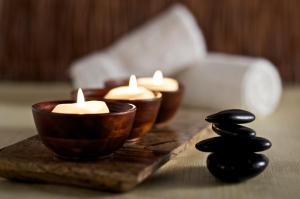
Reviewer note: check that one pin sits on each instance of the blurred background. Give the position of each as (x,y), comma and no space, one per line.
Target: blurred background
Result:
(40,39)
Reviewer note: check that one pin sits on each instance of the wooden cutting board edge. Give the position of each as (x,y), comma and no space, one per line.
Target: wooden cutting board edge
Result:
(202,134)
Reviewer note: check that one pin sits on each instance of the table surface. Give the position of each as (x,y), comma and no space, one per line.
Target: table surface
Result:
(184,177)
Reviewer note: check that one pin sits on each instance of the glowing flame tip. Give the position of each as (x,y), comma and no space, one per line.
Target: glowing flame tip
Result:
(80,97)
(158,77)
(132,82)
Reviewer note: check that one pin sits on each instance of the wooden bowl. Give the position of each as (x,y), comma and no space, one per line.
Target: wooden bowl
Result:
(86,136)
(146,113)
(170,103)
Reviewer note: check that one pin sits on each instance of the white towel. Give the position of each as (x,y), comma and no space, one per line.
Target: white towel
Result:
(168,42)
(172,42)
(92,70)
(223,81)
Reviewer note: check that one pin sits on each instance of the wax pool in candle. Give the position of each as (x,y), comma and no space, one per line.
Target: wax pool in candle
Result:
(131,92)
(81,106)
(158,82)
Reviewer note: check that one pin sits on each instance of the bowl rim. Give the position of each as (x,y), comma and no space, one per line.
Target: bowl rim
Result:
(179,90)
(180,85)
(34,108)
(158,95)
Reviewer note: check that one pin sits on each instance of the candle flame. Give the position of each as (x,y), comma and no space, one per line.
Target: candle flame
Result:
(158,77)
(80,97)
(132,83)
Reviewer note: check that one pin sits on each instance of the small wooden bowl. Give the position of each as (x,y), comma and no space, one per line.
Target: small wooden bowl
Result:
(86,136)
(170,103)
(146,113)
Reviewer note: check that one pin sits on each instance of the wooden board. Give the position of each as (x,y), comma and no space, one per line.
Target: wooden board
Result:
(30,160)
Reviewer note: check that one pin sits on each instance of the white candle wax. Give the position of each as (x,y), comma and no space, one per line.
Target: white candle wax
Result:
(131,92)
(158,82)
(81,106)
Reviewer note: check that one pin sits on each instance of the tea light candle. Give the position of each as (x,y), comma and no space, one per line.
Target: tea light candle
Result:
(158,82)
(81,106)
(131,92)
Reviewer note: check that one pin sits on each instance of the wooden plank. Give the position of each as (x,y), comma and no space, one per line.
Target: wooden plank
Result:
(30,160)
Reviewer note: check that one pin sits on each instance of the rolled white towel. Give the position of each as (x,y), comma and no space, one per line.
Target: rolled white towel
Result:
(168,42)
(223,81)
(92,70)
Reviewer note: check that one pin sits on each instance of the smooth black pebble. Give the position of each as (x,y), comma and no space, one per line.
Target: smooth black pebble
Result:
(233,130)
(235,116)
(235,168)
(238,145)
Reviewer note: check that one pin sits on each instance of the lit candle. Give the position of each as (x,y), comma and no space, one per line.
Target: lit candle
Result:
(131,92)
(81,106)
(158,82)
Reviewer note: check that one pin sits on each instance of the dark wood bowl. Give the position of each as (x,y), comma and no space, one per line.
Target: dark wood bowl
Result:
(146,113)
(170,103)
(86,136)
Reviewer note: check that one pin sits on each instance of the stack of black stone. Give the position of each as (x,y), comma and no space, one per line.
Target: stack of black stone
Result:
(233,156)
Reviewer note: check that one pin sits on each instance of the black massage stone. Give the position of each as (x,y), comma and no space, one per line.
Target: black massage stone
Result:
(235,168)
(232,116)
(233,156)
(233,130)
(237,145)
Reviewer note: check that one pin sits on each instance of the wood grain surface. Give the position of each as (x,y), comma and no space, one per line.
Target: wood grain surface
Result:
(40,38)
(30,160)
